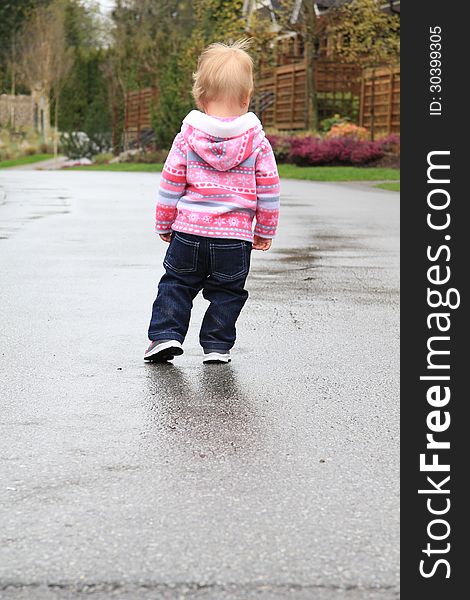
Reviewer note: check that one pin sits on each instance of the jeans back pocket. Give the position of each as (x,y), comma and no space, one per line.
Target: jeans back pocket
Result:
(181,255)
(230,261)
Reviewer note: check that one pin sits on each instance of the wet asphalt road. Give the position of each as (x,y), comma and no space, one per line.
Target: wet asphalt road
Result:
(275,477)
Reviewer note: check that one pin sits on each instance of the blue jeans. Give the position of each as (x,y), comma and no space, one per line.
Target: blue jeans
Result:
(218,267)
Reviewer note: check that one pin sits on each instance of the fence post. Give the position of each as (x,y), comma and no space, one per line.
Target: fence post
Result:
(372,105)
(139,110)
(390,101)
(124,133)
(361,102)
(276,91)
(292,99)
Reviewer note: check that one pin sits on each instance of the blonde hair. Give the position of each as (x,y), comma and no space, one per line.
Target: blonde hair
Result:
(224,71)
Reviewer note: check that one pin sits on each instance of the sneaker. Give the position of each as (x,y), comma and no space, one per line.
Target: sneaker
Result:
(213,356)
(163,350)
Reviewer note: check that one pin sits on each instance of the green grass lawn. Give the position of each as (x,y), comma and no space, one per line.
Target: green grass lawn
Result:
(393,186)
(24,160)
(285,171)
(338,173)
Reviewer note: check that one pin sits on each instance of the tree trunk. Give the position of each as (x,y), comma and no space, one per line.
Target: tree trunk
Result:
(56,126)
(116,127)
(13,81)
(310,38)
(114,91)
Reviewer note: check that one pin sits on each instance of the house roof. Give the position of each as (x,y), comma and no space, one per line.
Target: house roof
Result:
(321,6)
(324,5)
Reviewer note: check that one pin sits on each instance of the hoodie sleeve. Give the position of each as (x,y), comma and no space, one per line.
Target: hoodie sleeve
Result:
(267,192)
(172,185)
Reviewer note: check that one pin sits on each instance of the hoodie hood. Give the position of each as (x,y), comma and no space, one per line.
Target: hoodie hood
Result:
(220,143)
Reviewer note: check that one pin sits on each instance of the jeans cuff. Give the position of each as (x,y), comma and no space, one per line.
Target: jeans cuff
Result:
(216,347)
(166,335)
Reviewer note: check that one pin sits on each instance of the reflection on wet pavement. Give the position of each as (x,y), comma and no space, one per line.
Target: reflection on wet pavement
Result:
(205,414)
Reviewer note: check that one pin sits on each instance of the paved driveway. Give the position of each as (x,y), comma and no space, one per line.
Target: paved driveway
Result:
(274,477)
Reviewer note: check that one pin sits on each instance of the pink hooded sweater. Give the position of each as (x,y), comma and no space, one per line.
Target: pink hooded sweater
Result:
(219,175)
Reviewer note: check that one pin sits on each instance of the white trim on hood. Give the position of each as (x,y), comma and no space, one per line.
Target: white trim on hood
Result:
(222,129)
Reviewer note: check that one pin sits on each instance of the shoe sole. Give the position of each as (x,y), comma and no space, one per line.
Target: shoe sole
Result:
(165,353)
(215,358)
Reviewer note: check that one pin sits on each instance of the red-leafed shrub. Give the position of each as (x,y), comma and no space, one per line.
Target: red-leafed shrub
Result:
(334,151)
(306,151)
(391,143)
(281,144)
(310,150)
(365,153)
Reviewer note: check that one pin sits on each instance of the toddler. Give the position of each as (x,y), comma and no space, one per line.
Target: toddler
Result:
(219,175)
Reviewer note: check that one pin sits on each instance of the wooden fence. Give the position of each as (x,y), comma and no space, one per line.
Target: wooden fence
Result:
(138,113)
(380,100)
(287,85)
(370,98)
(338,89)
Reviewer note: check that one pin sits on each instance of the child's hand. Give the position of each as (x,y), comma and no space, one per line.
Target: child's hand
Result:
(260,243)
(166,237)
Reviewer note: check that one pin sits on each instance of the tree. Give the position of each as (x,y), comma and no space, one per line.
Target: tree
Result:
(85,97)
(364,34)
(174,102)
(300,18)
(310,33)
(115,99)
(145,34)
(146,51)
(157,44)
(62,61)
(219,20)
(262,31)
(44,58)
(13,14)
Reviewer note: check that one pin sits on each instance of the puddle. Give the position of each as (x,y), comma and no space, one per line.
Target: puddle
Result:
(24,205)
(334,265)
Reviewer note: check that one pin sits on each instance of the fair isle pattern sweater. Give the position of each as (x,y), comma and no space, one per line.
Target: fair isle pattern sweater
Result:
(218,176)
